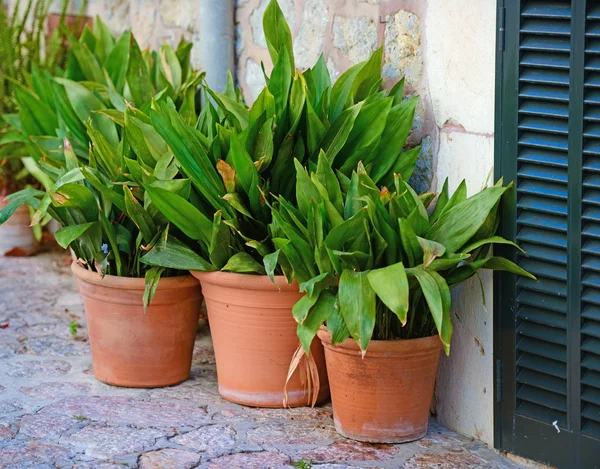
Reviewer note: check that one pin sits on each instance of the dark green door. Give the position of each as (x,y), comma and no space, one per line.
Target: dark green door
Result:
(548,141)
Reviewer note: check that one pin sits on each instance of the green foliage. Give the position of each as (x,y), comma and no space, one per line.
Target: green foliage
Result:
(100,154)
(385,263)
(23,50)
(241,160)
(73,326)
(303,463)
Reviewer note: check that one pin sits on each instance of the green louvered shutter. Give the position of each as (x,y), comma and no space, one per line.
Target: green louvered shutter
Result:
(547,346)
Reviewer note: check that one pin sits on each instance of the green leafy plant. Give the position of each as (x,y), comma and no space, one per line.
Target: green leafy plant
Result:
(239,159)
(23,49)
(381,265)
(303,464)
(94,142)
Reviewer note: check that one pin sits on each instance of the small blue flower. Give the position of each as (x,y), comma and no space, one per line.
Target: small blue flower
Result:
(104,248)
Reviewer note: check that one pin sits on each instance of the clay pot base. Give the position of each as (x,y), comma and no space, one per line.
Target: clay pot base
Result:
(385,396)
(254,337)
(133,348)
(271,401)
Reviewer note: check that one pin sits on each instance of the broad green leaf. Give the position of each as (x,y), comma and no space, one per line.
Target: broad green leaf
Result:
(317,316)
(492,240)
(410,242)
(220,242)
(139,216)
(67,234)
(336,326)
(357,306)
(138,76)
(117,62)
(442,200)
(270,263)
(152,278)
(458,224)
(335,138)
(182,214)
(391,286)
(277,33)
(431,250)
(330,182)
(437,295)
(243,262)
(175,255)
(341,93)
(78,196)
(393,138)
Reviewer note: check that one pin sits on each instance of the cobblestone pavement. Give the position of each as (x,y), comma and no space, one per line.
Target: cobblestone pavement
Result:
(54,413)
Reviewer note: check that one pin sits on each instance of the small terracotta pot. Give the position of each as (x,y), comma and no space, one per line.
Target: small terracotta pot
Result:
(16,236)
(254,337)
(136,349)
(385,396)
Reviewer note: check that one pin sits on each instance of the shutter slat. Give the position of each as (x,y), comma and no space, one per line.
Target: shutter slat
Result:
(542,205)
(542,365)
(546,9)
(532,298)
(591,312)
(540,316)
(549,93)
(543,173)
(541,413)
(538,331)
(546,141)
(542,349)
(549,399)
(550,222)
(544,108)
(542,381)
(542,269)
(549,77)
(544,253)
(548,158)
(591,378)
(543,124)
(552,288)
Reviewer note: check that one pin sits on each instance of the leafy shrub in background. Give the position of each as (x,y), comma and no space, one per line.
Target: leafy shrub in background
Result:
(23,48)
(94,142)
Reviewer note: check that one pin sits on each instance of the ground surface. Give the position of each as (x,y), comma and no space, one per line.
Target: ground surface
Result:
(54,413)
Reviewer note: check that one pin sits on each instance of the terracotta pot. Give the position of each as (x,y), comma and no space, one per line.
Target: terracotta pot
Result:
(136,349)
(254,337)
(16,236)
(385,396)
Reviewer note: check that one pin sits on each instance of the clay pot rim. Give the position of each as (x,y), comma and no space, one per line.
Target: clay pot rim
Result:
(245,281)
(130,283)
(397,347)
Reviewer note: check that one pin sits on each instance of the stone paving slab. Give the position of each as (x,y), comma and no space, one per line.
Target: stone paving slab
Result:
(55,414)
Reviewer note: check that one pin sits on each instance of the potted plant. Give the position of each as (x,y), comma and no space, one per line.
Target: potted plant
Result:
(141,331)
(21,34)
(380,300)
(244,159)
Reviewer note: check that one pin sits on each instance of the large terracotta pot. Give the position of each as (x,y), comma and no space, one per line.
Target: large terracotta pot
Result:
(385,396)
(254,337)
(136,349)
(16,236)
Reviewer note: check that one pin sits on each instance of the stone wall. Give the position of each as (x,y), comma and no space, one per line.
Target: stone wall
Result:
(446,51)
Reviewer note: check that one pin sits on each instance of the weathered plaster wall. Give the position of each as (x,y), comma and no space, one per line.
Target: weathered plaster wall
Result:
(151,21)
(446,50)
